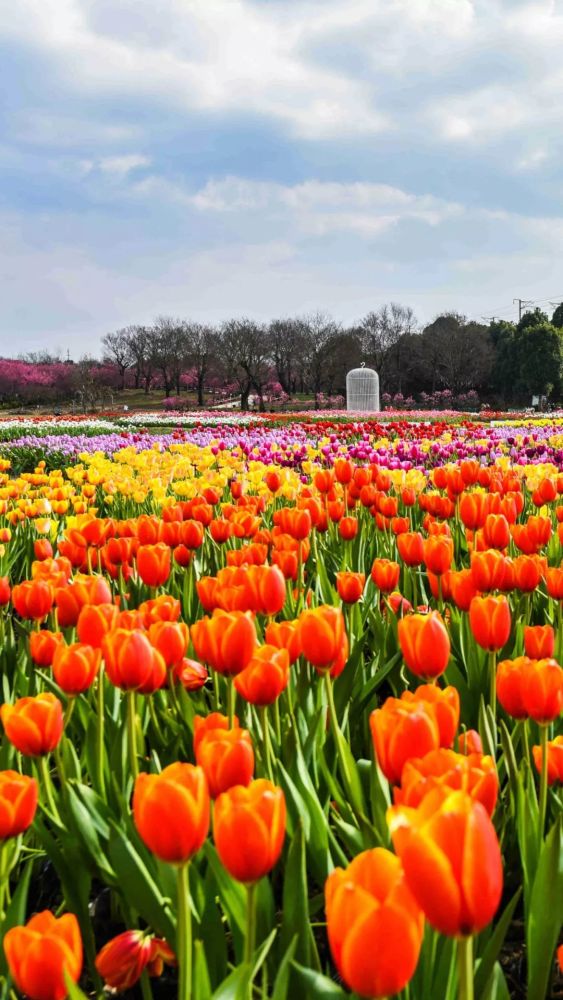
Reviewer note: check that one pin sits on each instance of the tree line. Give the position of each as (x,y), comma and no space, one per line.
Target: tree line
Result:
(451,361)
(504,363)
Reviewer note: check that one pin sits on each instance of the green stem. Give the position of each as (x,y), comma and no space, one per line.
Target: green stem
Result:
(132,734)
(250,939)
(48,787)
(184,938)
(343,764)
(68,713)
(525,744)
(146,988)
(543,781)
(277,721)
(154,717)
(465,967)
(100,723)
(230,701)
(266,741)
(493,681)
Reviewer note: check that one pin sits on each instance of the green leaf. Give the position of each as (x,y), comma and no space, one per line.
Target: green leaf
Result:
(295,918)
(16,912)
(74,991)
(138,886)
(232,894)
(495,943)
(545,913)
(236,986)
(201,981)
(281,984)
(317,986)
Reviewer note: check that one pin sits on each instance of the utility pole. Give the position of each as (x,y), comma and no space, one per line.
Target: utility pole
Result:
(522,303)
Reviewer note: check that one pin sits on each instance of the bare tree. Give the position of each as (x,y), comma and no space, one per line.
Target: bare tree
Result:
(287,340)
(320,330)
(141,345)
(382,334)
(117,350)
(245,349)
(201,347)
(170,351)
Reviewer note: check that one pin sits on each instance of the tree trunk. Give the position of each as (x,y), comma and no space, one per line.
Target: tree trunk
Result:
(200,399)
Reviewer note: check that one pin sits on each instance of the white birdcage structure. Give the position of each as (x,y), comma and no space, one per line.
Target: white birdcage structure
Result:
(362,390)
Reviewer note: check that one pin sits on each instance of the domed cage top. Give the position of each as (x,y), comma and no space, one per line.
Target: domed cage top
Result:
(362,390)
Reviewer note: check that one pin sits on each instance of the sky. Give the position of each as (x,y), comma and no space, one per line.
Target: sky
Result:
(265,158)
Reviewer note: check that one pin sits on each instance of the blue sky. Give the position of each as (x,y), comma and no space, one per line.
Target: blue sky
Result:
(210,158)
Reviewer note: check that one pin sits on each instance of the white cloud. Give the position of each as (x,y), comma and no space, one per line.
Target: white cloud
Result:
(311,208)
(121,166)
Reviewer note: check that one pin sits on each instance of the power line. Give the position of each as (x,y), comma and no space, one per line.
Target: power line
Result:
(522,303)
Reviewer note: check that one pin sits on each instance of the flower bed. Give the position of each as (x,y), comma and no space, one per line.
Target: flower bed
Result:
(282,709)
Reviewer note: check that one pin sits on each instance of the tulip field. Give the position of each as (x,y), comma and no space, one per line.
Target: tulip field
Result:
(281,707)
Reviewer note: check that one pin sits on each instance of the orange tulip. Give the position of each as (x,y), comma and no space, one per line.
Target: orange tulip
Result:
(75,667)
(470,773)
(171,639)
(343,470)
(34,725)
(226,758)
(496,531)
(323,635)
(5,591)
(163,608)
(530,688)
(95,621)
(400,731)
(171,811)
(350,586)
(42,549)
(444,703)
(368,902)
(40,954)
(438,553)
(425,644)
(554,760)
(473,509)
(410,546)
(297,523)
(83,590)
(385,575)
(18,803)
(266,588)
(226,641)
(153,564)
(539,641)
(462,587)
(348,528)
(132,664)
(542,690)
(32,599)
(265,677)
(249,829)
(285,635)
(452,860)
(489,570)
(204,724)
(489,618)
(528,571)
(42,646)
(509,686)
(470,742)
(554,580)
(192,533)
